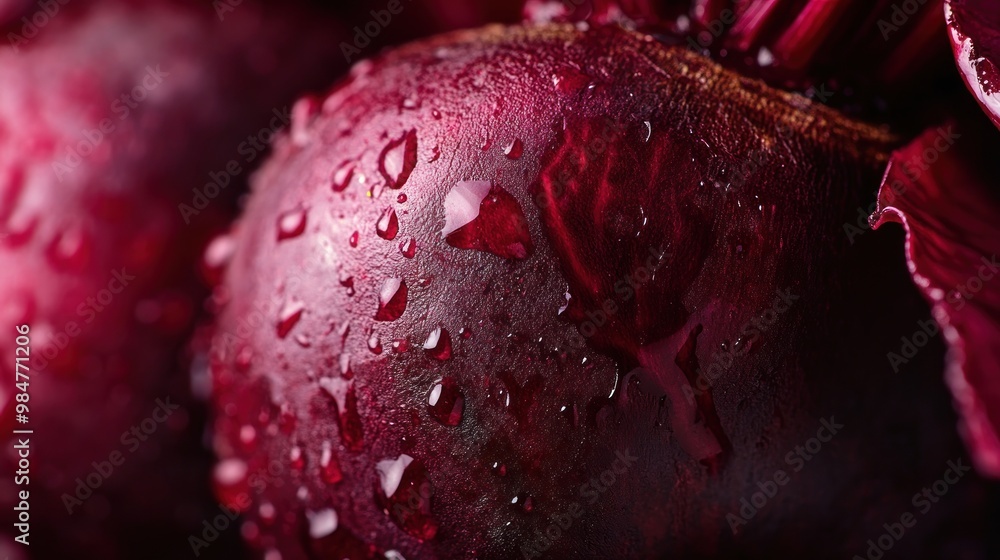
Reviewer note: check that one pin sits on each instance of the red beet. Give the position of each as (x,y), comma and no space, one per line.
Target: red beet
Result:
(631,265)
(112,115)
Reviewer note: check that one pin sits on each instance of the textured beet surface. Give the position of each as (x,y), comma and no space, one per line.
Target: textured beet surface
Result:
(98,259)
(497,264)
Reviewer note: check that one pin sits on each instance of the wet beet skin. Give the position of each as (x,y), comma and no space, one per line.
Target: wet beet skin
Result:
(513,279)
(113,114)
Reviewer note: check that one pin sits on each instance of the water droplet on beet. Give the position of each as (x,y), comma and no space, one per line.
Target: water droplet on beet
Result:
(341,177)
(391,300)
(218,255)
(248,435)
(524,501)
(408,247)
(874,218)
(401,198)
(438,344)
(398,159)
(517,398)
(462,203)
(230,480)
(346,404)
(514,150)
(400,345)
(390,474)
(287,419)
(445,402)
(18,231)
(374,345)
(267,513)
(764,57)
(296,458)
(565,306)
(17,308)
(486,218)
(329,466)
(322,523)
(345,366)
(499,469)
(289,316)
(291,224)
(347,281)
(70,249)
(343,330)
(250,533)
(744,345)
(304,113)
(569,80)
(436,114)
(243,359)
(388,224)
(403,491)
(353,240)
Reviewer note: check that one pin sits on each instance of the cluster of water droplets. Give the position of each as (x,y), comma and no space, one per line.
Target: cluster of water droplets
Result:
(404,490)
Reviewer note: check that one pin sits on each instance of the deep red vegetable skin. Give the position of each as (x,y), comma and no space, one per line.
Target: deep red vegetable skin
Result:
(99,260)
(590,156)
